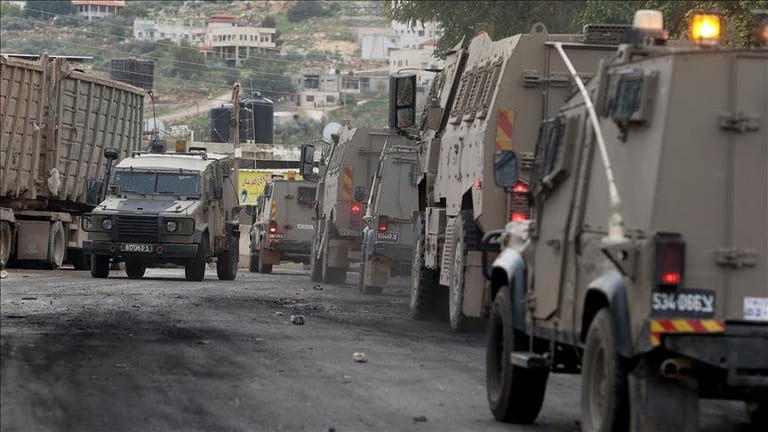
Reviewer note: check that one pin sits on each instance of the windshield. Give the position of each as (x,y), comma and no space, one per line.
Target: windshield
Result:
(145,182)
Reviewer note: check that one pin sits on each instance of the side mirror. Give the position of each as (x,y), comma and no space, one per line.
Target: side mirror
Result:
(402,101)
(111,153)
(505,168)
(359,194)
(307,160)
(93,191)
(218,192)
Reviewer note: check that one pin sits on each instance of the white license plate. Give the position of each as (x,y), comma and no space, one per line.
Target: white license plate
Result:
(389,237)
(136,247)
(756,308)
(276,236)
(683,302)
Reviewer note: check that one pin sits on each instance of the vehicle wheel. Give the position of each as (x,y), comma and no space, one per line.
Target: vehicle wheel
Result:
(226,266)
(253,265)
(758,414)
(604,387)
(79,259)
(361,286)
(464,240)
(264,268)
(57,246)
(194,270)
(135,269)
(100,266)
(424,286)
(315,264)
(515,394)
(332,275)
(5,244)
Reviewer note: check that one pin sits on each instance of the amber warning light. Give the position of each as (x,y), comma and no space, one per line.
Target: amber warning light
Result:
(705,28)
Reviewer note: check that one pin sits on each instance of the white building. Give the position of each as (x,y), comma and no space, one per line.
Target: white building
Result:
(226,39)
(413,36)
(149,30)
(91,9)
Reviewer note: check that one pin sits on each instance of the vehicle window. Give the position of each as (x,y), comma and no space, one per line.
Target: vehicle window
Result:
(306,195)
(145,182)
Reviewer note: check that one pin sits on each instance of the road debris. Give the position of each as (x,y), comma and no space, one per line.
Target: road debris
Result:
(278,314)
(202,342)
(347,379)
(360,357)
(420,419)
(3,274)
(29,298)
(297,319)
(317,287)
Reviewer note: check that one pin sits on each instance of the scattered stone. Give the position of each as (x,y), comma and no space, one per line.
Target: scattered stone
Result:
(202,342)
(347,379)
(398,290)
(136,306)
(121,365)
(3,274)
(278,314)
(317,287)
(297,319)
(15,316)
(29,298)
(360,357)
(420,419)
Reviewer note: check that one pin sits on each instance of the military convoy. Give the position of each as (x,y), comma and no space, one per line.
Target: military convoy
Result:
(176,207)
(643,264)
(490,96)
(282,224)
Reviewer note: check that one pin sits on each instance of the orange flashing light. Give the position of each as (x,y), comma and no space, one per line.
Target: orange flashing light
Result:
(705,28)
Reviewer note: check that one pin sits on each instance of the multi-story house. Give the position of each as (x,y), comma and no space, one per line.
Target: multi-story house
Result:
(224,38)
(98,9)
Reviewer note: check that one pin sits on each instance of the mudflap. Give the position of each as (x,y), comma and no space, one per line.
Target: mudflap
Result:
(474,285)
(377,272)
(660,404)
(269,257)
(338,251)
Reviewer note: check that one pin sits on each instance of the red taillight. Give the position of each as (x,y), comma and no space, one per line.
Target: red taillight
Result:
(383,224)
(355,214)
(670,260)
(356,209)
(272,226)
(520,206)
(478,184)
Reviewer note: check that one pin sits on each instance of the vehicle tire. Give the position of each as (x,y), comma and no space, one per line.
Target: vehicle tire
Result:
(194,270)
(315,264)
(361,286)
(226,266)
(57,246)
(5,243)
(515,394)
(100,266)
(79,259)
(332,275)
(464,240)
(604,383)
(424,286)
(758,414)
(264,268)
(253,264)
(135,269)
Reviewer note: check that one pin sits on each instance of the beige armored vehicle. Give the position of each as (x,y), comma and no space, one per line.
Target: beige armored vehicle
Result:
(645,265)
(347,168)
(388,235)
(282,224)
(490,96)
(167,208)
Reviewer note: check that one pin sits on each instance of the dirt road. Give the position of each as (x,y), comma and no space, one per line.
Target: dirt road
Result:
(165,354)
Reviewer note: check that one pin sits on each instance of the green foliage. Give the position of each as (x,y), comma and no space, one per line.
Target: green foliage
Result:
(10,10)
(11,22)
(41,9)
(305,9)
(134,9)
(371,112)
(187,61)
(269,21)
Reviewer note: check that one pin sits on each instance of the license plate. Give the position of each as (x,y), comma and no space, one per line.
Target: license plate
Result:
(276,236)
(391,237)
(756,308)
(136,247)
(683,302)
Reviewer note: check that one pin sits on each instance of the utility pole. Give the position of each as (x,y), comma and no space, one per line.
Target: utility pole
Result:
(235,123)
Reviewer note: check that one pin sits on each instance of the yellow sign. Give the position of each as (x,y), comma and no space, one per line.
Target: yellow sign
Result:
(252,182)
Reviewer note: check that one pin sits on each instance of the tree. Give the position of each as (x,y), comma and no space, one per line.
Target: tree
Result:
(305,9)
(41,9)
(187,62)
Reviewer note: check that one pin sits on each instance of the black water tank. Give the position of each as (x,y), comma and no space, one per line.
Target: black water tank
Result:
(220,124)
(263,115)
(139,73)
(246,123)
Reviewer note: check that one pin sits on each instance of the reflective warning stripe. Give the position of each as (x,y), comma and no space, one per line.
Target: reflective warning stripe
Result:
(273,211)
(347,184)
(505,121)
(660,326)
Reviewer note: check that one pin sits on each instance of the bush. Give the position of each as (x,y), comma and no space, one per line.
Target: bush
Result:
(305,9)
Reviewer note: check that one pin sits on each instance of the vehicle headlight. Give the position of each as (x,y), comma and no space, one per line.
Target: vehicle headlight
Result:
(171,226)
(106,223)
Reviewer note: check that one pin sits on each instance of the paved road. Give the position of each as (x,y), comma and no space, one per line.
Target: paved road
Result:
(165,354)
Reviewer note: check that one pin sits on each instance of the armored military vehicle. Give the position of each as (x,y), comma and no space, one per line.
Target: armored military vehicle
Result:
(490,96)
(388,234)
(167,208)
(282,224)
(347,169)
(644,266)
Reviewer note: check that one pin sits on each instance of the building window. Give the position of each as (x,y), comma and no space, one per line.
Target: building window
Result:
(310,98)
(330,99)
(421,32)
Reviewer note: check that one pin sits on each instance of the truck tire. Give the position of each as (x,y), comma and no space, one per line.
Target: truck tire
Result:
(253,264)
(194,270)
(331,275)
(464,240)
(226,266)
(135,269)
(79,259)
(515,394)
(100,266)
(424,286)
(758,414)
(604,383)
(5,243)
(57,246)
(361,286)
(264,268)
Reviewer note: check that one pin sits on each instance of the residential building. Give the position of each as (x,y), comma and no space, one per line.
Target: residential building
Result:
(150,30)
(329,88)
(99,9)
(224,38)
